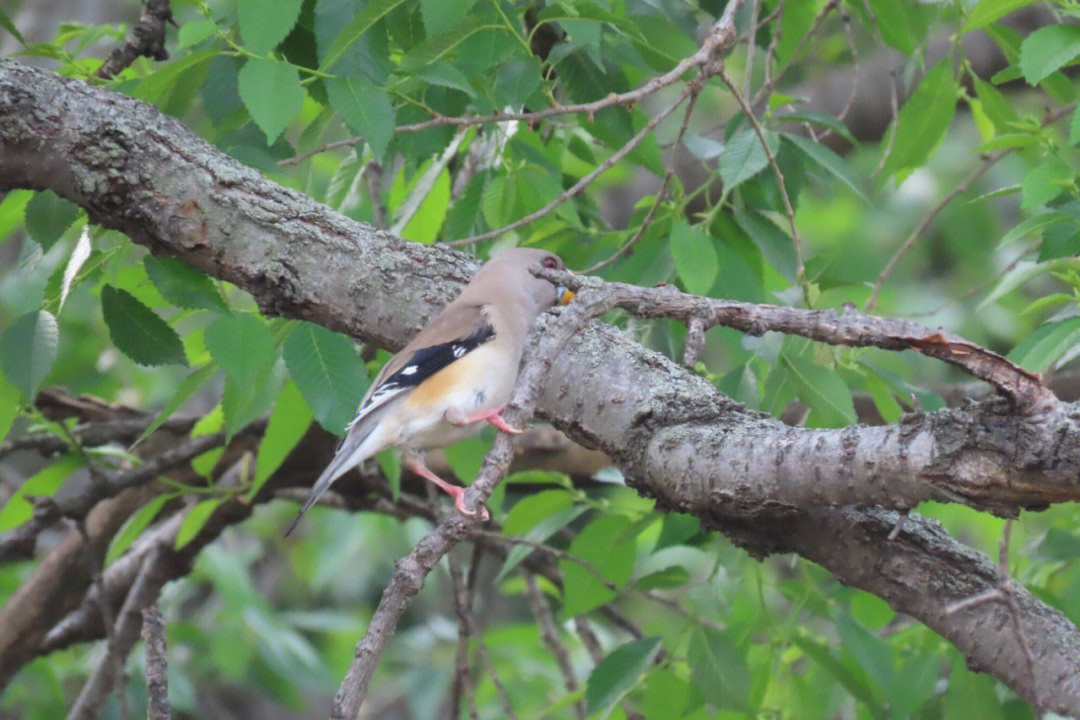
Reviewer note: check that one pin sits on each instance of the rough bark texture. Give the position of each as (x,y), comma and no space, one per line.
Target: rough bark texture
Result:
(770,487)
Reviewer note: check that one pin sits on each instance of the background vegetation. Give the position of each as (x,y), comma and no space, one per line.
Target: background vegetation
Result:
(913,159)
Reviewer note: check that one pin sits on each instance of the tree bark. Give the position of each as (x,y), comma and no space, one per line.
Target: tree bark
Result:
(770,487)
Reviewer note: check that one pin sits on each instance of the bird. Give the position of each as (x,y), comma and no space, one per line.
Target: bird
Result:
(455,375)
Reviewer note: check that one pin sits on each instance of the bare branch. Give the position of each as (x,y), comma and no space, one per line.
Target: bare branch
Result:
(147,39)
(157,676)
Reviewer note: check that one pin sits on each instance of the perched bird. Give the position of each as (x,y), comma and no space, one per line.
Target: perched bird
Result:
(457,373)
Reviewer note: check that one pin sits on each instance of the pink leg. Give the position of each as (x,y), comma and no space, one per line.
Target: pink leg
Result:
(493,416)
(455,491)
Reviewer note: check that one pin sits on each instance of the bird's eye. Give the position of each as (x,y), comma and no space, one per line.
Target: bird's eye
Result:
(550,263)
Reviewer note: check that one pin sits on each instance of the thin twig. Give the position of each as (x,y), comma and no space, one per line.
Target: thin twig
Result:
(584,182)
(147,39)
(789,211)
(894,108)
(98,687)
(720,38)
(846,327)
(988,161)
(463,607)
(660,194)
(770,82)
(541,610)
(751,47)
(842,115)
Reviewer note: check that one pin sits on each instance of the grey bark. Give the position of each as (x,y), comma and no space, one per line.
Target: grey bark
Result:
(769,487)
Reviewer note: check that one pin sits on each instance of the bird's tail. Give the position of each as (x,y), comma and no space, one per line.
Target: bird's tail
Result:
(350,453)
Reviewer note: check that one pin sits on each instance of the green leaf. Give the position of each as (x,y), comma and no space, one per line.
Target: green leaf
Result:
(5,22)
(823,390)
(329,373)
(828,161)
(794,25)
(531,509)
(602,546)
(187,388)
(366,109)
(923,120)
(194,521)
(244,400)
(853,683)
(138,332)
(1047,50)
(287,425)
(208,424)
(719,669)
(1045,346)
(440,16)
(272,94)
(183,285)
(744,157)
(11,404)
(895,24)
(1046,181)
(539,532)
(987,11)
(371,13)
(265,23)
(242,344)
(44,483)
(816,117)
(618,673)
(193,33)
(28,351)
(695,258)
(425,224)
(134,526)
(1034,225)
(48,216)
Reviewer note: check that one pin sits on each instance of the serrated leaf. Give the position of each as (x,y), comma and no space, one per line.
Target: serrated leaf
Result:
(242,344)
(1046,181)
(183,285)
(18,509)
(272,94)
(288,423)
(695,258)
(193,33)
(987,11)
(370,14)
(329,373)
(265,23)
(48,216)
(138,332)
(744,157)
(366,109)
(539,532)
(1033,225)
(28,351)
(209,423)
(618,673)
(828,161)
(821,654)
(1047,49)
(134,526)
(895,24)
(824,391)
(1046,345)
(923,120)
(194,521)
(243,401)
(719,669)
(600,545)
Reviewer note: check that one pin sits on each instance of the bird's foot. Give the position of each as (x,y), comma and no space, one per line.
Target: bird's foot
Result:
(455,491)
(492,416)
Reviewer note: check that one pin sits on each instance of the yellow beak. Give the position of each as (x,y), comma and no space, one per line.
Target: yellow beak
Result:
(563,295)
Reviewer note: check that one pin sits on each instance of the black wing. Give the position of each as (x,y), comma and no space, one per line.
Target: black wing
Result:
(424,363)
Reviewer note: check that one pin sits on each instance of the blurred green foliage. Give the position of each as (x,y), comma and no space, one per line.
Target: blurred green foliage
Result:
(731,637)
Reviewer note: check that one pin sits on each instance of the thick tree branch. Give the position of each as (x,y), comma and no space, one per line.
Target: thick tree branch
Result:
(147,39)
(675,438)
